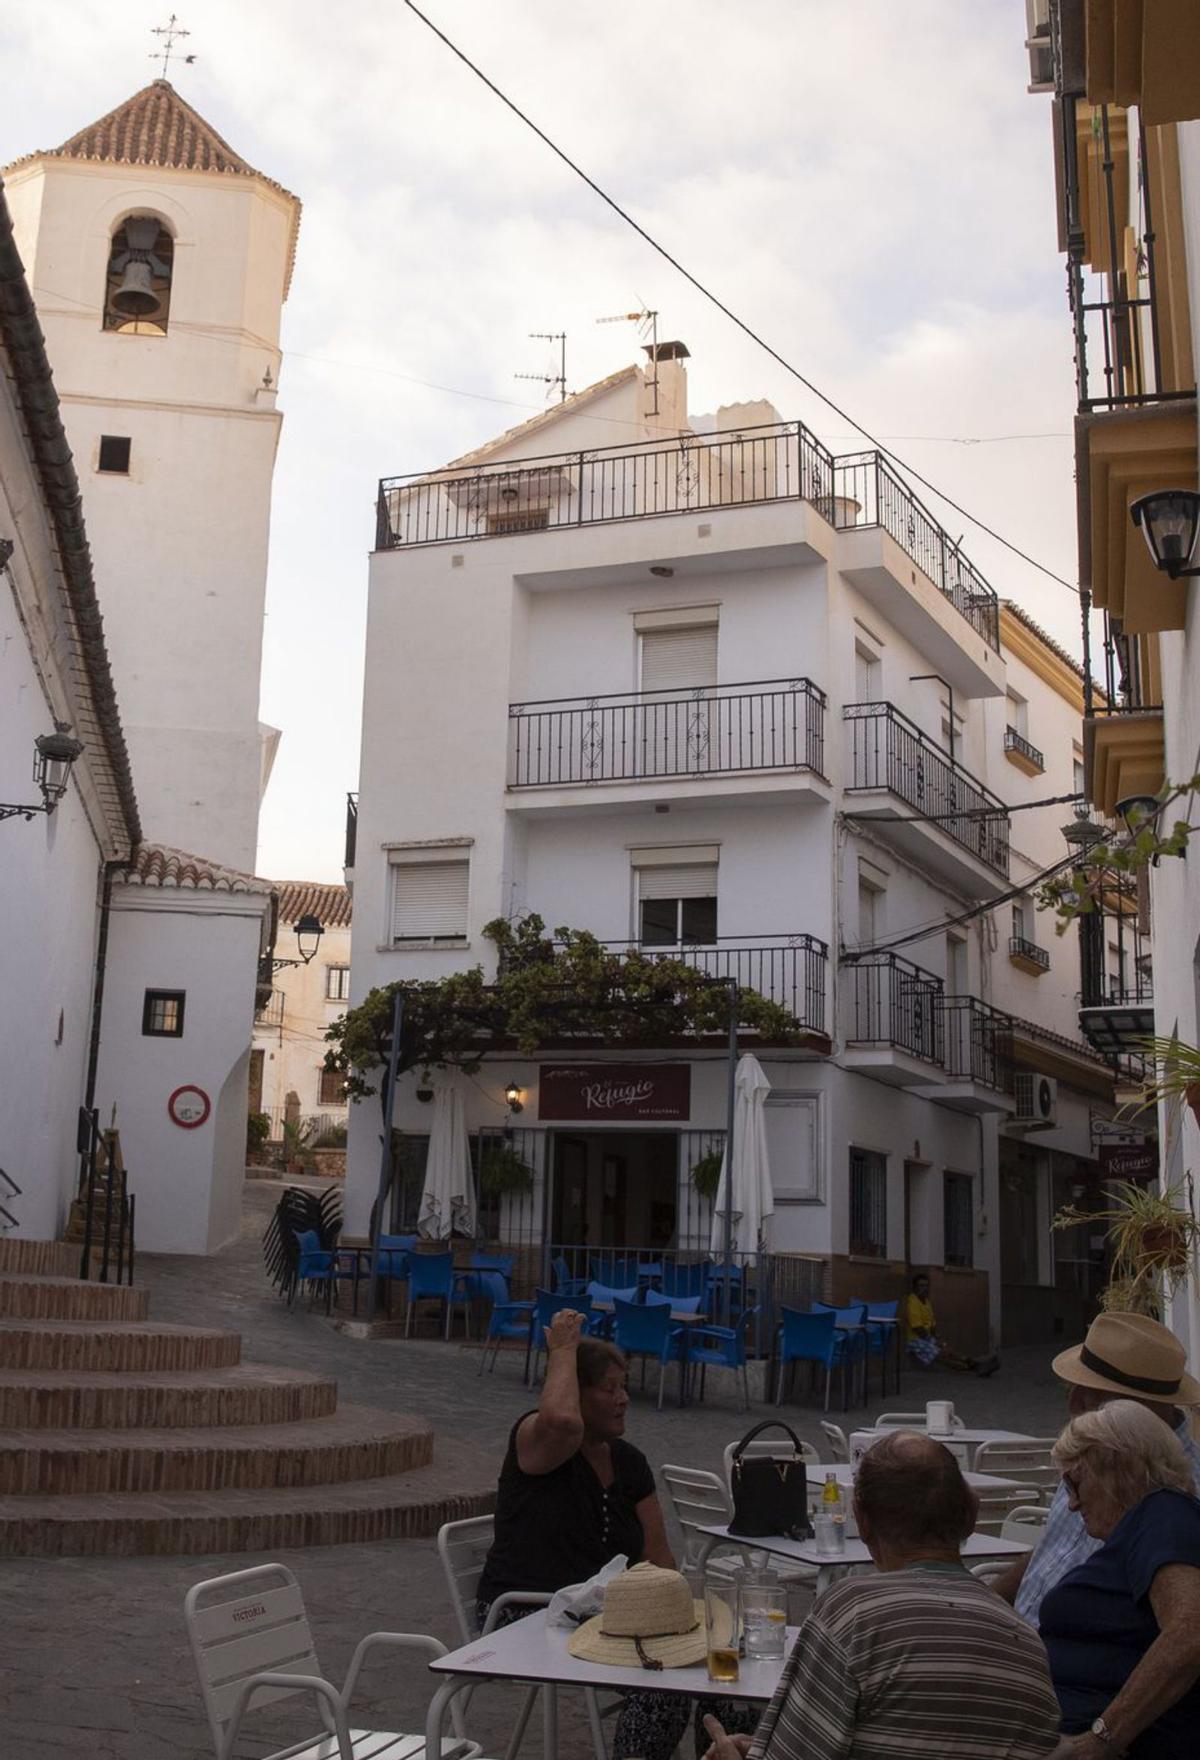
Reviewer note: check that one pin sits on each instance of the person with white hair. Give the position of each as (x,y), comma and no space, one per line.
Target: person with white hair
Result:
(1122,1630)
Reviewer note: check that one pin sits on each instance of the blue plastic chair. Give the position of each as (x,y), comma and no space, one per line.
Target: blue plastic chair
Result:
(715,1290)
(501,1262)
(546,1306)
(506,1320)
(564,1283)
(881,1341)
(684,1280)
(641,1331)
(317,1265)
(601,1292)
(813,1338)
(657,1298)
(431,1279)
(722,1346)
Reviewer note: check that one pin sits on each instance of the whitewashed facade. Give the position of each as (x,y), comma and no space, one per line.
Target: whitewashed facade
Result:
(676,690)
(289,1044)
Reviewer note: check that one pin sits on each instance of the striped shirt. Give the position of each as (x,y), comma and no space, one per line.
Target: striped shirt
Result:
(1065,1542)
(912,1663)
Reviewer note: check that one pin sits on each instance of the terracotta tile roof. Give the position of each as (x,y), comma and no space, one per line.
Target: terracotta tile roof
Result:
(156,864)
(301,898)
(1036,629)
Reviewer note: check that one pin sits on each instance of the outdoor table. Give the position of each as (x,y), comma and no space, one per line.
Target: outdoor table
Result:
(844,1473)
(975,1547)
(961,1443)
(529,1650)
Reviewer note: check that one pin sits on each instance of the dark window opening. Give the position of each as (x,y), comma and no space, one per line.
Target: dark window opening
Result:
(162,1014)
(331,1088)
(673,922)
(957,1207)
(114,454)
(868,1204)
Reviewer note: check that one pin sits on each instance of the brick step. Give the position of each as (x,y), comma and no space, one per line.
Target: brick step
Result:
(402,1507)
(39,1258)
(117,1348)
(65,1298)
(356,1442)
(252,1393)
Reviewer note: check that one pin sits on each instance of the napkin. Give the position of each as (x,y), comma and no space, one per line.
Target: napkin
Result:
(580,1601)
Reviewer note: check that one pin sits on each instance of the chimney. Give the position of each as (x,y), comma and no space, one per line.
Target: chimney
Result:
(665,382)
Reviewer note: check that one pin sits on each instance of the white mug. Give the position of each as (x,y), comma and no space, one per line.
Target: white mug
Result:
(939,1417)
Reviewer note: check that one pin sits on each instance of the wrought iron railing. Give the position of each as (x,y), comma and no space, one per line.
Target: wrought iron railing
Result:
(890,751)
(696,473)
(109,1207)
(11,1190)
(888,1001)
(1128,680)
(790,970)
(351,830)
(1019,948)
(629,736)
(271,1012)
(1016,742)
(978,1040)
(868,492)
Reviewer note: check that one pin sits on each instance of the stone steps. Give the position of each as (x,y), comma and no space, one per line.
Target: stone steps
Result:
(251,1393)
(116,1348)
(398,1507)
(38,1258)
(24,1297)
(355,1442)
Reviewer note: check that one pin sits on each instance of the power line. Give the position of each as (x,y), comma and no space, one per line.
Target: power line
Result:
(727,311)
(853,954)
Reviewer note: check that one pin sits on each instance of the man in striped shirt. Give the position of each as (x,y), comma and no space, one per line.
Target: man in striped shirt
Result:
(920,1660)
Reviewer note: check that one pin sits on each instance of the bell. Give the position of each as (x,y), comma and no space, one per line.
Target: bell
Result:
(135,297)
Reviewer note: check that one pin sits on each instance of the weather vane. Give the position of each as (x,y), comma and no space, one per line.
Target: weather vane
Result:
(170,32)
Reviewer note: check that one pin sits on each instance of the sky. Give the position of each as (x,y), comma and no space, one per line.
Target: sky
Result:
(868,185)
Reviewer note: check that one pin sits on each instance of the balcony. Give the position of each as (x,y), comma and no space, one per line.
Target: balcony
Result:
(961,831)
(1027,956)
(1117,992)
(768,736)
(777,462)
(791,970)
(978,1057)
(892,1021)
(1124,737)
(1018,751)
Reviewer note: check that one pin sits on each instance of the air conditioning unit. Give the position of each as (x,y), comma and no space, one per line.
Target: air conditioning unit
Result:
(1037,1101)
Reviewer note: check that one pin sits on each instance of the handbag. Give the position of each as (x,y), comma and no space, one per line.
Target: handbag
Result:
(770,1492)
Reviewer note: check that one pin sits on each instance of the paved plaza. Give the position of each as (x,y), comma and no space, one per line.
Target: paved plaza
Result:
(95,1659)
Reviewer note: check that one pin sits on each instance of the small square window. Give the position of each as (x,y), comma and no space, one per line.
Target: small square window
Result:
(162,1014)
(114,454)
(337,983)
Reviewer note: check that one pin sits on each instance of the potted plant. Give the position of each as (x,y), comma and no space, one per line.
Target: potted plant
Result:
(1153,1236)
(1176,1074)
(258,1129)
(296,1135)
(503,1171)
(706,1173)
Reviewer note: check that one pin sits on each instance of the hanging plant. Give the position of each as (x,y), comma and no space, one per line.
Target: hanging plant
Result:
(706,1173)
(503,1171)
(1176,1074)
(1153,1236)
(425,1086)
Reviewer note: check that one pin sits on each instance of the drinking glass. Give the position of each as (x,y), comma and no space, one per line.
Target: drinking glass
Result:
(721,1628)
(830,1535)
(764,1620)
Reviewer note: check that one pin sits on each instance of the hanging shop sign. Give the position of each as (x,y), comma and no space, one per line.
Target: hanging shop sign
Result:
(188,1107)
(1128,1160)
(604,1092)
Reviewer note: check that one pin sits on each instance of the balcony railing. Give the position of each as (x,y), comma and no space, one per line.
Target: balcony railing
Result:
(790,970)
(1019,948)
(697,473)
(630,737)
(978,1042)
(1016,742)
(867,483)
(890,751)
(270,1014)
(351,829)
(890,1001)
(1129,678)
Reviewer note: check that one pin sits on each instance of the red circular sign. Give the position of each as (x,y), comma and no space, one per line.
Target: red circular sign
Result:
(188,1107)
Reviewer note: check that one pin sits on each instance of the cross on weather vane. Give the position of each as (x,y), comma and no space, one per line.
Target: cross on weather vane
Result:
(169,32)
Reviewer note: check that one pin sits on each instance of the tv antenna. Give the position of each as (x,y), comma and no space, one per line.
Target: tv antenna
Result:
(170,32)
(551,379)
(647,323)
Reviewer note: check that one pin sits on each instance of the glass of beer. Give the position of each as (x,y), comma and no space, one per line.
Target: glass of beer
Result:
(721,1628)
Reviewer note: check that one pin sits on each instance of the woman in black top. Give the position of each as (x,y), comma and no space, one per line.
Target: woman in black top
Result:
(573,1493)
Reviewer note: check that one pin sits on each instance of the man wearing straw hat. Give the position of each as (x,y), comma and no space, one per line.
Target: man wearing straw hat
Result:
(1124,1356)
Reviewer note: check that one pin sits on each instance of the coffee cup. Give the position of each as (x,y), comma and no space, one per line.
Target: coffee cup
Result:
(939,1417)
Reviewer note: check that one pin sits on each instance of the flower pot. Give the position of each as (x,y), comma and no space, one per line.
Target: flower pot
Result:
(1166,1246)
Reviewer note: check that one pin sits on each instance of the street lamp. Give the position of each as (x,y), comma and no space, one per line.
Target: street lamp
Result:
(308,932)
(1138,811)
(54,754)
(1169,520)
(512,1095)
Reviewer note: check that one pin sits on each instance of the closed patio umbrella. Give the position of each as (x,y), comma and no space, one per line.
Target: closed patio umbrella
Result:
(753,1196)
(448,1196)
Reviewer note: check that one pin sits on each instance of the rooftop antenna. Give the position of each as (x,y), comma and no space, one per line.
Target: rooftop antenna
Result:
(647,323)
(551,379)
(170,32)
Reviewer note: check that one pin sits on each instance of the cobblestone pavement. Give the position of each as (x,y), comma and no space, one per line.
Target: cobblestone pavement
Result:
(94,1658)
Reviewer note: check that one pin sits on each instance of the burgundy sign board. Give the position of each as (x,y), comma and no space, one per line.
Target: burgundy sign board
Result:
(1128,1160)
(605,1092)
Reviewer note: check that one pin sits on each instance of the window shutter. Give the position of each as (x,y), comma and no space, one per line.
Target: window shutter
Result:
(678,659)
(696,880)
(429,901)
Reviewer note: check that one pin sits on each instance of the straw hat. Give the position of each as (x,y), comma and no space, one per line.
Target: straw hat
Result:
(649,1621)
(1131,1355)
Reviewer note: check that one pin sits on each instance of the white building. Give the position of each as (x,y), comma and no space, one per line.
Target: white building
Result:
(288,1052)
(159,261)
(696,684)
(1126,131)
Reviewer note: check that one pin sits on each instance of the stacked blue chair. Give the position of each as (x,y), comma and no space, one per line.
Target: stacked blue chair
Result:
(685,1280)
(318,1265)
(648,1332)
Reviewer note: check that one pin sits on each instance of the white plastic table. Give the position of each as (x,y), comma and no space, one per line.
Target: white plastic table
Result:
(844,1474)
(529,1650)
(962,1443)
(975,1547)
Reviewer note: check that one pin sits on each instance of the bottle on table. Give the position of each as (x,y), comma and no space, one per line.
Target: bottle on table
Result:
(832,1531)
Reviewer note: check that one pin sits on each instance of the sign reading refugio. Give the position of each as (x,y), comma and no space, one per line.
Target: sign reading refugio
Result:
(1128,1160)
(607,1091)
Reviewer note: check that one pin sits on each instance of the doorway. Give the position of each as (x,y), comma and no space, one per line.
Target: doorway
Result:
(615,1188)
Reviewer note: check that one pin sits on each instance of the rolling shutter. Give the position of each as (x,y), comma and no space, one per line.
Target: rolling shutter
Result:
(679,659)
(695,880)
(429,901)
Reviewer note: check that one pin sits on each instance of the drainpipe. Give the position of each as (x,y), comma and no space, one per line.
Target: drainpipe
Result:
(111,870)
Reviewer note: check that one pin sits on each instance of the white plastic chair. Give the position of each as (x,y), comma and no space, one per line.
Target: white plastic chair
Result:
(251,1640)
(995,1507)
(463,1548)
(990,1569)
(839,1442)
(910,1421)
(1029,1463)
(1025,1522)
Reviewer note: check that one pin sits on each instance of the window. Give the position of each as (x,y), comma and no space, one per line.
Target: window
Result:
(952,731)
(872,893)
(676,896)
(1018,714)
(529,519)
(957,1212)
(868,1204)
(867,671)
(957,980)
(1078,782)
(337,983)
(162,1014)
(331,1089)
(428,899)
(678,658)
(114,454)
(137,287)
(1018,922)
